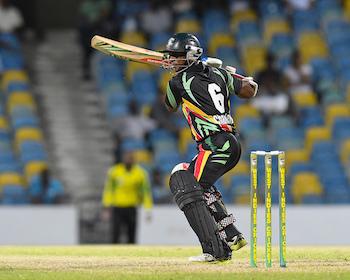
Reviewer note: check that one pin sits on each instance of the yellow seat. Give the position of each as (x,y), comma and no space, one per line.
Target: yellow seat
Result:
(305,183)
(20,98)
(34,167)
(316,133)
(336,110)
(13,75)
(245,15)
(188,26)
(311,44)
(10,178)
(3,123)
(347,9)
(134,38)
(185,137)
(296,155)
(27,133)
(254,59)
(274,26)
(345,151)
(245,110)
(302,99)
(242,199)
(142,156)
(242,167)
(220,39)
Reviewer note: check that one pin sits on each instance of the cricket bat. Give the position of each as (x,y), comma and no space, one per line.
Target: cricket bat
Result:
(126,51)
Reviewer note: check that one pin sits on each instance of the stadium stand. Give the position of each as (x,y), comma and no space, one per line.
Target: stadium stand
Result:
(315,140)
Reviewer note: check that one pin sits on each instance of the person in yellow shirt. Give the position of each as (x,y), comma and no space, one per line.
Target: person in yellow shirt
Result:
(127,186)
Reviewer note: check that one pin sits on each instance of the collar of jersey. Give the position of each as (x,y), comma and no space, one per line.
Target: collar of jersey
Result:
(196,68)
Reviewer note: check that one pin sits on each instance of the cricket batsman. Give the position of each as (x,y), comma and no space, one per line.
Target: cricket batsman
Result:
(203,92)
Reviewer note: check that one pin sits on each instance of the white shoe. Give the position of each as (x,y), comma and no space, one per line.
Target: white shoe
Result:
(207,258)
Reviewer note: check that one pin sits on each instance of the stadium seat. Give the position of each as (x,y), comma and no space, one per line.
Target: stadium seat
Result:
(33,168)
(303,99)
(295,155)
(10,76)
(316,133)
(14,195)
(305,183)
(187,25)
(336,110)
(248,15)
(10,178)
(220,39)
(27,133)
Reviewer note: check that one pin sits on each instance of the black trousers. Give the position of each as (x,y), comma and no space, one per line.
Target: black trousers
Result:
(124,222)
(217,154)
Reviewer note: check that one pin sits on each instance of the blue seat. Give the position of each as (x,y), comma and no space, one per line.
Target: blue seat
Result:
(9,167)
(300,167)
(27,146)
(271,9)
(215,21)
(341,129)
(32,156)
(11,60)
(312,199)
(289,132)
(11,39)
(14,195)
(261,145)
(133,144)
(117,110)
(191,151)
(8,158)
(166,160)
(240,184)
(17,85)
(160,134)
(144,90)
(24,121)
(159,39)
(118,97)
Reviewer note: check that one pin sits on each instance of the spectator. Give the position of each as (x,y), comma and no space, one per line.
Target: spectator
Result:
(11,19)
(271,100)
(298,76)
(95,18)
(161,193)
(162,116)
(151,18)
(135,125)
(127,186)
(45,189)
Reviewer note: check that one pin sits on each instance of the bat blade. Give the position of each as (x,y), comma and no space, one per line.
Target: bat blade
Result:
(126,51)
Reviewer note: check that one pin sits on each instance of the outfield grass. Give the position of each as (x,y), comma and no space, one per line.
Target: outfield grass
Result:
(165,262)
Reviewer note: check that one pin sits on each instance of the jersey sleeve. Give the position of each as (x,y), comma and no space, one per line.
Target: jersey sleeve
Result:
(172,98)
(234,84)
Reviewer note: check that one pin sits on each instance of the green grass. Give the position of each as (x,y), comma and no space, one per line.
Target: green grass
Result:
(165,262)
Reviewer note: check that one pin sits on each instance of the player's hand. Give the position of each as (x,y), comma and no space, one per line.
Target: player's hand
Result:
(252,83)
(231,69)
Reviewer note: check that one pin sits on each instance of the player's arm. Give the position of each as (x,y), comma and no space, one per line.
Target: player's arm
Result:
(244,87)
(172,100)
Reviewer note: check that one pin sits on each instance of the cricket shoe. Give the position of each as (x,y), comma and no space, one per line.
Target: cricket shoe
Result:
(237,242)
(208,258)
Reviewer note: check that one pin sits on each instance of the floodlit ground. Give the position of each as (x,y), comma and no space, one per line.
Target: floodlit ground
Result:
(165,262)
